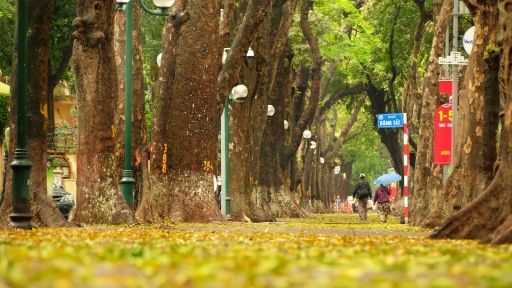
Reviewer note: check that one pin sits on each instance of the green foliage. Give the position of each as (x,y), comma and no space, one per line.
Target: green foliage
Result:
(363,148)
(249,255)
(491,48)
(4,115)
(7,22)
(329,22)
(61,30)
(64,130)
(152,27)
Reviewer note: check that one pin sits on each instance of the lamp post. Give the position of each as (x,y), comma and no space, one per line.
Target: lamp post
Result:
(238,93)
(21,215)
(306,134)
(127,183)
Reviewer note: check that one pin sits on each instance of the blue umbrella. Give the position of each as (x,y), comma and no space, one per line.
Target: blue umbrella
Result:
(387,178)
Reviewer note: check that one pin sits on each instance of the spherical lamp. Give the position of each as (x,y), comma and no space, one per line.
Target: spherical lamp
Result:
(159,59)
(306,134)
(163,4)
(270,110)
(239,91)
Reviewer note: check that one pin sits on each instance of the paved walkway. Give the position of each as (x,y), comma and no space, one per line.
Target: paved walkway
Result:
(328,231)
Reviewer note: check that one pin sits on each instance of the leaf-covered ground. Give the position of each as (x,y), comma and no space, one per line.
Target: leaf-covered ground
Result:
(193,256)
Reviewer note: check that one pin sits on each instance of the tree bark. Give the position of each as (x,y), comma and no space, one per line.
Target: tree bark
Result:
(43,209)
(472,172)
(428,177)
(488,217)
(98,191)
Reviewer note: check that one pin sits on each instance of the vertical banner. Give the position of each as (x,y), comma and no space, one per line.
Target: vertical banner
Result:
(393,191)
(443,134)
(445,86)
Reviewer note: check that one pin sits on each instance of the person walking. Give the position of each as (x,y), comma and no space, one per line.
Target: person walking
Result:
(362,192)
(338,204)
(381,198)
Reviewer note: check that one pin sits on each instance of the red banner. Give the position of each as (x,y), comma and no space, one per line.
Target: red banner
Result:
(445,86)
(393,191)
(443,134)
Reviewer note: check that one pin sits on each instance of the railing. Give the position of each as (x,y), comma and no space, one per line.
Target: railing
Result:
(63,142)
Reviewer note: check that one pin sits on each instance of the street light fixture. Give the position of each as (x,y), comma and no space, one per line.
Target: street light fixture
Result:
(306,134)
(159,59)
(285,125)
(250,53)
(270,110)
(162,5)
(21,214)
(127,183)
(237,95)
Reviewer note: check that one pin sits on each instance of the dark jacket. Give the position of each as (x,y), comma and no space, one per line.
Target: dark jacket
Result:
(382,194)
(362,190)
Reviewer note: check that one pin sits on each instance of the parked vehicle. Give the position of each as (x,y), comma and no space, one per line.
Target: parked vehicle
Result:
(63,199)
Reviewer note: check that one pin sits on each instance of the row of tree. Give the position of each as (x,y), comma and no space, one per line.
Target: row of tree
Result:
(336,53)
(183,153)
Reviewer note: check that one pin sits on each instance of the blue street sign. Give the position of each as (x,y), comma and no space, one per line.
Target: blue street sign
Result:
(391,120)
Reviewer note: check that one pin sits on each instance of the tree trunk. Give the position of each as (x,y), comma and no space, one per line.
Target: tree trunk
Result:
(428,177)
(185,131)
(472,172)
(488,217)
(264,198)
(98,191)
(43,209)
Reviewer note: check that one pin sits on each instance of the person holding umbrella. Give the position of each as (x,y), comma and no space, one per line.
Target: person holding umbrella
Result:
(382,194)
(362,192)
(381,198)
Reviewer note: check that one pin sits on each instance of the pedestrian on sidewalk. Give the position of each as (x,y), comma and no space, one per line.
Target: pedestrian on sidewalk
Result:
(381,198)
(338,204)
(362,192)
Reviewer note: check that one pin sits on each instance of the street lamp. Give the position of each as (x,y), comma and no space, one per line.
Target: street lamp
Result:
(128,182)
(21,214)
(285,125)
(270,110)
(159,59)
(250,53)
(306,134)
(238,93)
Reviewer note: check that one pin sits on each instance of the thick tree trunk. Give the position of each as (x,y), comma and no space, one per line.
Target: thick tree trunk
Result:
(488,217)
(43,209)
(472,172)
(263,199)
(185,131)
(427,176)
(98,191)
